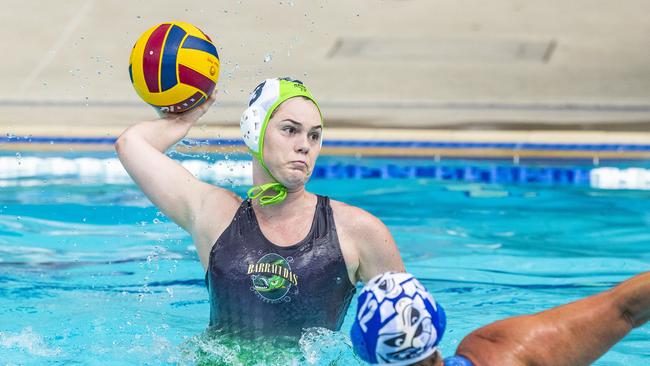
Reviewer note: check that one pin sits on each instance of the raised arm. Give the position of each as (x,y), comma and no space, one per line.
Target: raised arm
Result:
(173,189)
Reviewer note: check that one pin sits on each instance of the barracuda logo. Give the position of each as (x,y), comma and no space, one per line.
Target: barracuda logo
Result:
(272,278)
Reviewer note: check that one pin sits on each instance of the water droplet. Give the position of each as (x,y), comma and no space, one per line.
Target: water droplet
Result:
(268,57)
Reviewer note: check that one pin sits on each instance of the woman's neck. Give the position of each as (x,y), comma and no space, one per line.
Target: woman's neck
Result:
(296,201)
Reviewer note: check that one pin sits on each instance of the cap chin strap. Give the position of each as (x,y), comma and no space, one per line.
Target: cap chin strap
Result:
(257,191)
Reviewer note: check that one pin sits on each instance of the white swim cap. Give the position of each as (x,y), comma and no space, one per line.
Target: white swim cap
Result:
(265,99)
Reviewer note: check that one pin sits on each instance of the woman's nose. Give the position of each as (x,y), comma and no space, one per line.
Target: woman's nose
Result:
(302,144)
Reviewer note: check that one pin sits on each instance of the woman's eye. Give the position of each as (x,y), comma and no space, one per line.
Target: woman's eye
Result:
(289,129)
(315,136)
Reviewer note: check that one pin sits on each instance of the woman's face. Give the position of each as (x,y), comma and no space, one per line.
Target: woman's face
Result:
(292,141)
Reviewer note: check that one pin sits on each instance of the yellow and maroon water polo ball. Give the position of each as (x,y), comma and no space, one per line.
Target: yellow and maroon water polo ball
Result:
(174,66)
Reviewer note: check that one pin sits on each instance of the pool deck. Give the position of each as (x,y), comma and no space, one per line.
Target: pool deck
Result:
(512,79)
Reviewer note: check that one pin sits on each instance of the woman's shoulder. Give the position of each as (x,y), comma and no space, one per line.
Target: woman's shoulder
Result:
(218,207)
(343,209)
(214,195)
(367,241)
(351,216)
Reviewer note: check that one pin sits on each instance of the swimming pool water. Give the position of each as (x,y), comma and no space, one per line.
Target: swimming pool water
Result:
(92,274)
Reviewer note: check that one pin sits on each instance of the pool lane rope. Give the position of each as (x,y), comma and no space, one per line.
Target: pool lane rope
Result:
(19,170)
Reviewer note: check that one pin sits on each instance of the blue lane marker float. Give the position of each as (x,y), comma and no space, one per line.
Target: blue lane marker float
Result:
(479,174)
(20,169)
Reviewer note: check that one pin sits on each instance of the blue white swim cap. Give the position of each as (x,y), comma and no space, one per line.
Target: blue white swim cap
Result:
(398,322)
(263,101)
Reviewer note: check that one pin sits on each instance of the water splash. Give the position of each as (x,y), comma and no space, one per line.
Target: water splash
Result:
(214,348)
(320,346)
(316,346)
(28,341)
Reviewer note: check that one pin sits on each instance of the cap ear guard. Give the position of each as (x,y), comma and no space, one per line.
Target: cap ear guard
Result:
(251,126)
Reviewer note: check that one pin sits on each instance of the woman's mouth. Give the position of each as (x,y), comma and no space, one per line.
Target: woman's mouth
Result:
(299,164)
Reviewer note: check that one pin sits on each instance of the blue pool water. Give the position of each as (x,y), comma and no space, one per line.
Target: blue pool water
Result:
(91,273)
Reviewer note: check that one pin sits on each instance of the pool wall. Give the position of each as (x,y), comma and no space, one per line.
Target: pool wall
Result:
(590,145)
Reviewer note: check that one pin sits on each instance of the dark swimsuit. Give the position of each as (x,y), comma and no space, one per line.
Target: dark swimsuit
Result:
(258,288)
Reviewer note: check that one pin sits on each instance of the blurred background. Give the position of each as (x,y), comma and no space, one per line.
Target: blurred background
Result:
(468,64)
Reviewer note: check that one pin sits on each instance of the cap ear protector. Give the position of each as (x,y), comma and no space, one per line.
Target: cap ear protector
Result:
(251,125)
(264,100)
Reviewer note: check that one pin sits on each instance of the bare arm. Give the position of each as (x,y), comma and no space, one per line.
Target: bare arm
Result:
(373,250)
(173,189)
(377,250)
(573,334)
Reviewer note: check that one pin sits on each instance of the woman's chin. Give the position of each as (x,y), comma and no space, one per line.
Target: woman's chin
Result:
(295,181)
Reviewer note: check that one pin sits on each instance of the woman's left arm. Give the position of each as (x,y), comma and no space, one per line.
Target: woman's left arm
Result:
(369,243)
(377,249)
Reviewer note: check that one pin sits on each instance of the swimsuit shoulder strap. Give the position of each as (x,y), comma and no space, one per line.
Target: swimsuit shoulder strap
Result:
(324,218)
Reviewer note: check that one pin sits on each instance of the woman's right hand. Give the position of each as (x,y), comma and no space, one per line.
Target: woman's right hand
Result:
(192,115)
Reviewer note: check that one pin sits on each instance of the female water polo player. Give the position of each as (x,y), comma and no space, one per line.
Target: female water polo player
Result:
(284,258)
(399,323)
